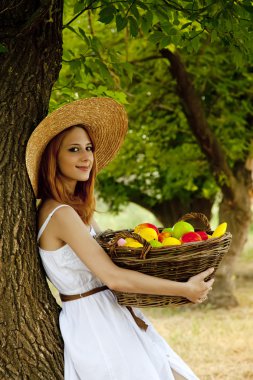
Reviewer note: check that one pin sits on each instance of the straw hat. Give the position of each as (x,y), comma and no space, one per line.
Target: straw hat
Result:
(105,121)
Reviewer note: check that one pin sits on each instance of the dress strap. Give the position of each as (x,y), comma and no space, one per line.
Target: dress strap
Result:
(42,228)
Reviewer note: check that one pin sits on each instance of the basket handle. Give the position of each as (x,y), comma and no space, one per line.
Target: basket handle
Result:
(199,216)
(124,234)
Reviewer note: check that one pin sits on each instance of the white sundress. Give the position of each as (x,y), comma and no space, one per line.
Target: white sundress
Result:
(101,339)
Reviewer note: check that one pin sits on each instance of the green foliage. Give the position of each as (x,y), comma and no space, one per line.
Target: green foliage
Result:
(3,48)
(112,49)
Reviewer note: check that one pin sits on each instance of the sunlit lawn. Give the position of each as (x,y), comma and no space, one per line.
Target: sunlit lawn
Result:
(217,344)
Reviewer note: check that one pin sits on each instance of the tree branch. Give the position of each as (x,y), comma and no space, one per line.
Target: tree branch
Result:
(194,112)
(150,58)
(79,14)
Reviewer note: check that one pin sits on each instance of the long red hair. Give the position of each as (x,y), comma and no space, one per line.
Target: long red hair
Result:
(52,187)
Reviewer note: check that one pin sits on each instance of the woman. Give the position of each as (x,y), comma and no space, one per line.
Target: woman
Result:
(102,340)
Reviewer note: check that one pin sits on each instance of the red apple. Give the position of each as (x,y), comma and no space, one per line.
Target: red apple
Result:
(163,235)
(145,225)
(190,237)
(203,235)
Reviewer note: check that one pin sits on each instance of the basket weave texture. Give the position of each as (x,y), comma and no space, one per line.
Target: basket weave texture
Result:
(177,263)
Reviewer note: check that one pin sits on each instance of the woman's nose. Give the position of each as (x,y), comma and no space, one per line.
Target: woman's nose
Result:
(85,156)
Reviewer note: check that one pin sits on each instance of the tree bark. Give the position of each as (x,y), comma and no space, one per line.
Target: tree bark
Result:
(235,184)
(31,347)
(238,215)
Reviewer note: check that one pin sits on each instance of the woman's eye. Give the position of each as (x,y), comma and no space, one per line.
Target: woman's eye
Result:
(89,148)
(74,149)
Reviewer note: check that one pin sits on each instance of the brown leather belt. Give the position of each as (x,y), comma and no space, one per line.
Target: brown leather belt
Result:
(72,297)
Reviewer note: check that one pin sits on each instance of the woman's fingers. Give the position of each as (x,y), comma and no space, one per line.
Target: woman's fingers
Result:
(205,274)
(209,283)
(200,300)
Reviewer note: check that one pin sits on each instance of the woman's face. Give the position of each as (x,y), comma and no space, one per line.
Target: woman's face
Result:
(75,157)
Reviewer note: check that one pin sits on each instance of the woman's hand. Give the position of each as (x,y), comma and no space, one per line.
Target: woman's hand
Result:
(197,288)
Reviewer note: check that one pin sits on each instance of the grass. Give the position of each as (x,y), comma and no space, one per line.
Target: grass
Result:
(216,343)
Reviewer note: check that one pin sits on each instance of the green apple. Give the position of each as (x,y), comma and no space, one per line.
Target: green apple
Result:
(167,229)
(155,243)
(181,228)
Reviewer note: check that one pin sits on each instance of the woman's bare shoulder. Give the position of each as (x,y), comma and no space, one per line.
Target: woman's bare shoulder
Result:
(46,208)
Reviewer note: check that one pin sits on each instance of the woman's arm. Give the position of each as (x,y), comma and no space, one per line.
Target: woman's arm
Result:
(96,227)
(68,227)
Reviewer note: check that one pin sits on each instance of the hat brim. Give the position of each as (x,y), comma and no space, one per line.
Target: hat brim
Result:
(104,119)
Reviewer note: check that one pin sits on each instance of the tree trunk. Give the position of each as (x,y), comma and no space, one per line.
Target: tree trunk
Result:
(235,207)
(170,211)
(31,347)
(237,214)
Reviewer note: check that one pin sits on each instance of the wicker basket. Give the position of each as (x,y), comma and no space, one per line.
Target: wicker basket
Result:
(176,263)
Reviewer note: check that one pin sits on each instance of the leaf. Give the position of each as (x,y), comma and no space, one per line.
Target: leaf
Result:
(134,29)
(135,12)
(129,69)
(186,25)
(156,37)
(3,49)
(121,22)
(166,26)
(142,5)
(162,15)
(106,15)
(165,41)
(73,30)
(104,72)
(78,7)
(83,34)
(248,8)
(146,22)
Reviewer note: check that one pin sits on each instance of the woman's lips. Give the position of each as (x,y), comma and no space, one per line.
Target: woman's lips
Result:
(83,168)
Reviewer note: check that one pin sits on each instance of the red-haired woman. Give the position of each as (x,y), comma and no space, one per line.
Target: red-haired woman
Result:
(102,340)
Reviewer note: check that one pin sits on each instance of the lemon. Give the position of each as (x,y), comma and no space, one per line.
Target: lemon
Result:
(171,241)
(148,234)
(132,243)
(220,230)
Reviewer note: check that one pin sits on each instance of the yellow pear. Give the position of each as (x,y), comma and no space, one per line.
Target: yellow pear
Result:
(220,230)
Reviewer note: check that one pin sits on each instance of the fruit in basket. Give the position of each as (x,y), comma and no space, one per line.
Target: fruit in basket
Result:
(163,235)
(171,241)
(167,229)
(132,243)
(203,235)
(220,230)
(141,226)
(148,234)
(181,228)
(190,237)
(155,243)
(121,242)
